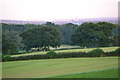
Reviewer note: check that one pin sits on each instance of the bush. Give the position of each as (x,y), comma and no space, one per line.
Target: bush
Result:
(71,54)
(6,58)
(113,53)
(51,54)
(95,53)
(29,57)
(117,52)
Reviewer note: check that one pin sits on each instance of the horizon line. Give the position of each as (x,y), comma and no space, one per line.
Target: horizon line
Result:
(57,19)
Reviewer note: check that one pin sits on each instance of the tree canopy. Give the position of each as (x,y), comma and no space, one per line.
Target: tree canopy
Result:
(43,37)
(97,33)
(93,34)
(8,46)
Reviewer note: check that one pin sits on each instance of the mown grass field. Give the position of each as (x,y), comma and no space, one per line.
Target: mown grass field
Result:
(97,67)
(107,73)
(106,49)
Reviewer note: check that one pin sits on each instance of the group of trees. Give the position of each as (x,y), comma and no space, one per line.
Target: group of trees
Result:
(42,37)
(94,35)
(8,46)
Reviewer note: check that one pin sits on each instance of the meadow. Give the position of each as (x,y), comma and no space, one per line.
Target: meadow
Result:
(97,67)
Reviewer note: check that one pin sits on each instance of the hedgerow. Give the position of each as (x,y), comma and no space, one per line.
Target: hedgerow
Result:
(53,55)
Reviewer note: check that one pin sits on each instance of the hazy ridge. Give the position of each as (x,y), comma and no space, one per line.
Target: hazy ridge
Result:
(113,20)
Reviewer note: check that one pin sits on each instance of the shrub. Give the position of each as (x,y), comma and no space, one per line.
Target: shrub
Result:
(51,54)
(117,52)
(113,53)
(95,53)
(29,57)
(6,57)
(71,54)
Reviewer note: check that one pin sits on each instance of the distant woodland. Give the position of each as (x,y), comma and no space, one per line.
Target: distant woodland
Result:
(88,34)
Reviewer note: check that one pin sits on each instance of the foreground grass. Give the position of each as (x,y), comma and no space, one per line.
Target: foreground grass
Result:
(107,73)
(106,49)
(56,67)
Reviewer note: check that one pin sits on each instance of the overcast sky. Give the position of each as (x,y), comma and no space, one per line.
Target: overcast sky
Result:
(49,10)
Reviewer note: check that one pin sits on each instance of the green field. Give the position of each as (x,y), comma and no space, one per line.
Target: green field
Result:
(106,49)
(98,67)
(107,73)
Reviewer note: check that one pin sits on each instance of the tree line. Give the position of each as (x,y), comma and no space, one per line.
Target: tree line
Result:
(26,36)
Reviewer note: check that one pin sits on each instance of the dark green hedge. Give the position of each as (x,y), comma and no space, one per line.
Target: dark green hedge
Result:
(53,55)
(6,58)
(96,53)
(113,53)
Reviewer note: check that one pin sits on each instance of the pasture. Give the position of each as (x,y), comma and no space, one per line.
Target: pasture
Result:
(106,49)
(97,67)
(107,73)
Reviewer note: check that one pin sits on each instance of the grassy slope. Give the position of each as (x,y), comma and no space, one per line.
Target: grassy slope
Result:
(106,49)
(54,67)
(107,73)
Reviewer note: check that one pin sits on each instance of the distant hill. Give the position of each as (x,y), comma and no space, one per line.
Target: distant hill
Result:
(22,22)
(80,21)
(74,21)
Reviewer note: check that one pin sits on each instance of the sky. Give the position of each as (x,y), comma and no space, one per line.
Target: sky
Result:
(50,10)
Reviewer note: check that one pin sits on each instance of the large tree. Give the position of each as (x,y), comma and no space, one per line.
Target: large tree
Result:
(43,37)
(93,34)
(66,30)
(116,40)
(8,46)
